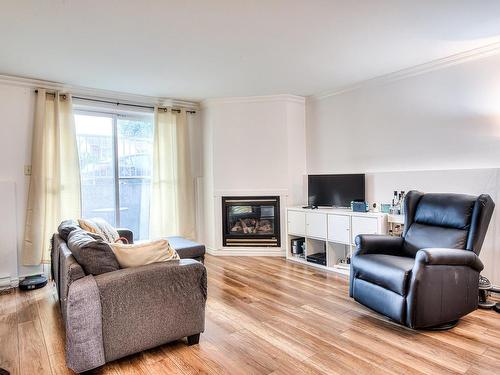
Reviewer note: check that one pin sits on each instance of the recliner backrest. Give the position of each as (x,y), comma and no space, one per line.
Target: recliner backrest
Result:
(456,221)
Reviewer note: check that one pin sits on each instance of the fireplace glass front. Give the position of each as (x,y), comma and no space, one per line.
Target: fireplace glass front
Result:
(251,221)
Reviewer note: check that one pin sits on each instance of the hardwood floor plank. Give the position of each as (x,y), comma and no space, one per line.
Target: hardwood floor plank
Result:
(52,323)
(33,357)
(9,345)
(265,316)
(58,364)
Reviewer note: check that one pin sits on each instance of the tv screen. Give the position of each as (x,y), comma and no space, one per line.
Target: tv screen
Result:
(336,190)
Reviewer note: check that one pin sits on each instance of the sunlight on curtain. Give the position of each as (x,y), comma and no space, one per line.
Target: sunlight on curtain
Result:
(172,191)
(54,191)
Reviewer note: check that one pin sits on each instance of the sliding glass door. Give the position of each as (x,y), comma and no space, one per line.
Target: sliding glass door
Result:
(115,153)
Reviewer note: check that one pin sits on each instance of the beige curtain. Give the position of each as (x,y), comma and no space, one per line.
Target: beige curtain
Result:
(172,191)
(54,191)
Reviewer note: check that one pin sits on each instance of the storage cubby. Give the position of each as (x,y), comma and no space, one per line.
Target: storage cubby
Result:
(313,247)
(336,253)
(331,231)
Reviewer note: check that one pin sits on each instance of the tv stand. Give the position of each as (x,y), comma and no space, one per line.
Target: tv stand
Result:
(331,231)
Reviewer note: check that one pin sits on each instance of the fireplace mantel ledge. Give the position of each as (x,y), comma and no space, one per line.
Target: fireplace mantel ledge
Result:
(250,192)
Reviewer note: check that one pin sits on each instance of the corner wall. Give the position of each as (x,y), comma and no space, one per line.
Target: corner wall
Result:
(436,131)
(252,146)
(16,122)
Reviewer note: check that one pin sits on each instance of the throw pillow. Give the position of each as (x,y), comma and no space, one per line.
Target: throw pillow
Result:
(100,227)
(66,227)
(92,253)
(143,253)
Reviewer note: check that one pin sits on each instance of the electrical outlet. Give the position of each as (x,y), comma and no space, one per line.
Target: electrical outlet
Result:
(27,170)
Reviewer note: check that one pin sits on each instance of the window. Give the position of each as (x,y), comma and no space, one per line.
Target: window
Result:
(115,165)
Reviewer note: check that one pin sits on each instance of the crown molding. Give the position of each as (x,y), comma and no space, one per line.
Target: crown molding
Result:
(458,58)
(95,93)
(253,99)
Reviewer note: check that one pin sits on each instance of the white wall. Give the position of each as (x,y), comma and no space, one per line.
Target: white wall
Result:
(445,119)
(398,132)
(252,146)
(16,122)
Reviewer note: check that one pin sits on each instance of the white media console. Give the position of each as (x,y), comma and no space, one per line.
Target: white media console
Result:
(330,230)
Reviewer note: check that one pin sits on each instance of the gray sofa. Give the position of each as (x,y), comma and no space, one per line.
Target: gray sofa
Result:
(115,314)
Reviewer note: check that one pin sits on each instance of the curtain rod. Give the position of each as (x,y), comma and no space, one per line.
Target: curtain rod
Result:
(123,104)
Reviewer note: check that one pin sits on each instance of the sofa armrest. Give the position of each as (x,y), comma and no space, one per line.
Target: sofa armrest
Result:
(126,233)
(378,244)
(153,304)
(448,257)
(84,343)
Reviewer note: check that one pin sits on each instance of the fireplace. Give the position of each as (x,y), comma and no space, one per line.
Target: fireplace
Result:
(251,221)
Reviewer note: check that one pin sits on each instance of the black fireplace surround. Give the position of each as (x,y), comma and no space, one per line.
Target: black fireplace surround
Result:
(251,221)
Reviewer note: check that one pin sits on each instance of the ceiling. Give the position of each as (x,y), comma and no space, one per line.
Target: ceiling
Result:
(204,49)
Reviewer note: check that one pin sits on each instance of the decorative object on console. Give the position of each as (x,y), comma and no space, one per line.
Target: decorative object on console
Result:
(442,238)
(385,208)
(397,206)
(359,206)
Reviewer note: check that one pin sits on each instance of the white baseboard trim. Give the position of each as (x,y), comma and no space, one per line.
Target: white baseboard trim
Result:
(247,251)
(9,282)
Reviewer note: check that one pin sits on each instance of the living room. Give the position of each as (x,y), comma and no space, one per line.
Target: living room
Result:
(235,187)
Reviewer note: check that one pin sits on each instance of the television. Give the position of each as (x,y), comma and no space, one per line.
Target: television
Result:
(335,190)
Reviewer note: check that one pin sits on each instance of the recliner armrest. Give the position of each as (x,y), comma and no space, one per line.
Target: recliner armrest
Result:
(126,233)
(378,244)
(448,257)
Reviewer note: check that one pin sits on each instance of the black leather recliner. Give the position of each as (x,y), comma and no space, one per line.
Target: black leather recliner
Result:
(428,278)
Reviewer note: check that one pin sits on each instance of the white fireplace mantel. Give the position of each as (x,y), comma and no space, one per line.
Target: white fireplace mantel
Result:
(251,148)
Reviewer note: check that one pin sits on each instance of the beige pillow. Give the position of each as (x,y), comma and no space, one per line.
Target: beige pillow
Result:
(143,253)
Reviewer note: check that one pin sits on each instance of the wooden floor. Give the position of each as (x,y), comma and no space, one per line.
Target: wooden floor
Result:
(265,316)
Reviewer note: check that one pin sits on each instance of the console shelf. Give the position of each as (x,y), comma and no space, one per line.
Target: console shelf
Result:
(331,230)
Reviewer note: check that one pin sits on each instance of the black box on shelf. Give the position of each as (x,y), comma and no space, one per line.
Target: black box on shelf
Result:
(297,246)
(318,258)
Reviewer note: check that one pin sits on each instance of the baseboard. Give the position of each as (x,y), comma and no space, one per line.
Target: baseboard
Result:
(9,282)
(247,251)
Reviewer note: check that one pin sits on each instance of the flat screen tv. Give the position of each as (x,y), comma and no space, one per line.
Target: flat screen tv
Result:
(335,190)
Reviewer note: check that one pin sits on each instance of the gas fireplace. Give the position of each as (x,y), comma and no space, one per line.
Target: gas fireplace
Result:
(251,221)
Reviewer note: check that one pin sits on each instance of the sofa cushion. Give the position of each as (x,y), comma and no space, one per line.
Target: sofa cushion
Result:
(92,253)
(388,271)
(186,248)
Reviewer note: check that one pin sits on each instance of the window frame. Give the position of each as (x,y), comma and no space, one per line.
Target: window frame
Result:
(114,116)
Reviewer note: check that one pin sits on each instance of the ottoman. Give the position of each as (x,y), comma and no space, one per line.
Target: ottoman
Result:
(187,248)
